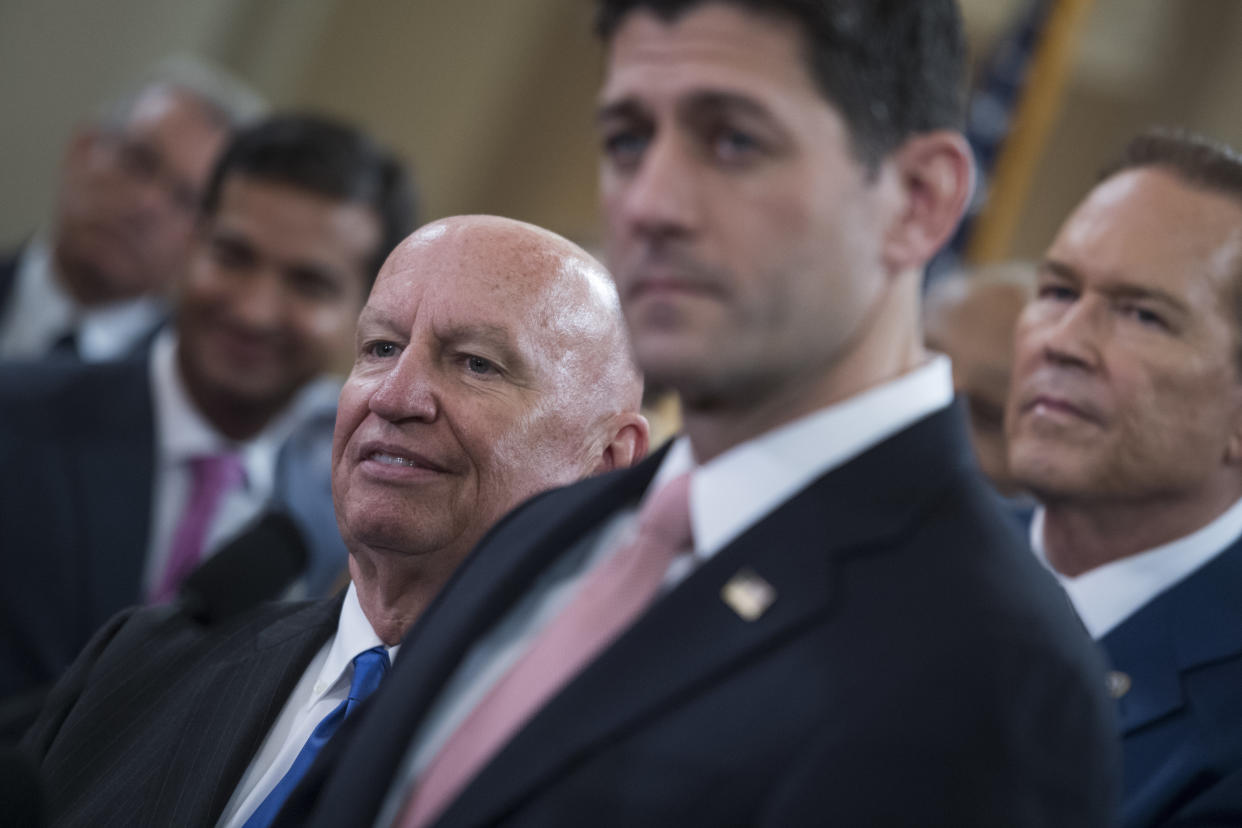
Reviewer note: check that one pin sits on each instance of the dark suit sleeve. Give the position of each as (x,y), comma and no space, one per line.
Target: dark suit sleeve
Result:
(1219,805)
(42,734)
(995,756)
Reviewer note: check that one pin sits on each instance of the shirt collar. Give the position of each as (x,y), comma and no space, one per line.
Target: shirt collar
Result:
(735,490)
(103,332)
(354,635)
(1109,594)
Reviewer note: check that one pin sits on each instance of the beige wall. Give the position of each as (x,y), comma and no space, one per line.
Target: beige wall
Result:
(492,99)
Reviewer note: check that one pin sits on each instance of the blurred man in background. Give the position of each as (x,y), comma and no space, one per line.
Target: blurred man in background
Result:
(121,477)
(95,282)
(491,363)
(1125,422)
(970,317)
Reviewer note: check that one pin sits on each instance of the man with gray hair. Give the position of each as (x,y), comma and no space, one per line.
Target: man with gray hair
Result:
(91,284)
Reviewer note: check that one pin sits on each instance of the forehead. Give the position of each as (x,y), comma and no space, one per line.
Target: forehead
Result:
(1148,226)
(715,46)
(290,222)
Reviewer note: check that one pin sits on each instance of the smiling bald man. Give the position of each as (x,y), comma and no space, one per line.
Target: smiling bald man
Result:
(491,364)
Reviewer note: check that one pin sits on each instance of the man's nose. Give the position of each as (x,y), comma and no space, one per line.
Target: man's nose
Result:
(662,196)
(408,391)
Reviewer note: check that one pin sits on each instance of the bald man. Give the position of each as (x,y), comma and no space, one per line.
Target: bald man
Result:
(970,316)
(491,364)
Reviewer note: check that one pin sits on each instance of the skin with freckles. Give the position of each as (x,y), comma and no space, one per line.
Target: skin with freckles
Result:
(764,269)
(491,364)
(276,278)
(1125,417)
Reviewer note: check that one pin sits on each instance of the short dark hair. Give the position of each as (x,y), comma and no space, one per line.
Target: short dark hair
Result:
(1195,159)
(892,68)
(327,158)
(1199,162)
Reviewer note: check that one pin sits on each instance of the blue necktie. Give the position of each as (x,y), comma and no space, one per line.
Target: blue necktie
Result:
(369,668)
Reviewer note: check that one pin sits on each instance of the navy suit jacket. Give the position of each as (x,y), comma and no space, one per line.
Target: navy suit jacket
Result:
(918,667)
(159,717)
(77,449)
(1181,719)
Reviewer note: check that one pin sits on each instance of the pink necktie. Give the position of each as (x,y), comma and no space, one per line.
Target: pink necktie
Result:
(213,476)
(610,598)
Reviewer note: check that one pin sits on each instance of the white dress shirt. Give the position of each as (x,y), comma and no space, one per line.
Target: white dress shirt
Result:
(183,433)
(728,495)
(1111,593)
(323,686)
(40,312)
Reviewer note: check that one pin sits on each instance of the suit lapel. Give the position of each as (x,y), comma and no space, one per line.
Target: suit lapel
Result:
(234,703)
(1192,624)
(690,637)
(115,456)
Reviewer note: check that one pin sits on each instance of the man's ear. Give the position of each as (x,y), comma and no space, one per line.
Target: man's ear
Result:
(1233,448)
(628,444)
(935,172)
(81,144)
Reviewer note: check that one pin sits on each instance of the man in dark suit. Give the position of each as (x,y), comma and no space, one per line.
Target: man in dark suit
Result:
(805,611)
(125,474)
(1126,422)
(469,393)
(93,283)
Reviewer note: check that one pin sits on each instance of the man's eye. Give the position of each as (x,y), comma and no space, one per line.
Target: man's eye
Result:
(383,350)
(732,146)
(1144,317)
(624,148)
(479,365)
(1057,293)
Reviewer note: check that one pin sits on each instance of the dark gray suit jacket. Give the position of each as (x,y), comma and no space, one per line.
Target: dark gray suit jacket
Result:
(159,717)
(917,668)
(77,454)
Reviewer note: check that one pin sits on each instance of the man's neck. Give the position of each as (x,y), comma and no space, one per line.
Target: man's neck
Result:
(1080,536)
(236,419)
(395,589)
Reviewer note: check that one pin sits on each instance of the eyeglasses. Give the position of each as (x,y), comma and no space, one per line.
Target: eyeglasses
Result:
(145,164)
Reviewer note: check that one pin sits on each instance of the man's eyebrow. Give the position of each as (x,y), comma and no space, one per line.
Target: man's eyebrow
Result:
(1117,289)
(495,337)
(375,319)
(695,104)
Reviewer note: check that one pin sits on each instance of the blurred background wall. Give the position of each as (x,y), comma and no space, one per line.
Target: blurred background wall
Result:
(493,99)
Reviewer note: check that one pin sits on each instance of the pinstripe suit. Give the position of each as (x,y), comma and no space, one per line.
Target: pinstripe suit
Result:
(159,717)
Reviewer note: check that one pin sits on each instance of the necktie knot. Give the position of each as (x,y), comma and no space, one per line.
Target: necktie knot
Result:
(665,517)
(370,667)
(217,472)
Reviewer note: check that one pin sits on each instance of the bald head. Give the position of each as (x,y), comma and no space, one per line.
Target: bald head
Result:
(971,317)
(491,365)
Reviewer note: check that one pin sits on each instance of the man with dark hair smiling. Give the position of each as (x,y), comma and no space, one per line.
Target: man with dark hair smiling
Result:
(806,610)
(1125,421)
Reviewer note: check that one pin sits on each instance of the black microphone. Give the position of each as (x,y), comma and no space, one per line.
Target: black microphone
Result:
(21,791)
(256,566)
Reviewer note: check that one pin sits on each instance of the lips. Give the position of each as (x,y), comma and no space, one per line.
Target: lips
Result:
(1058,406)
(397,458)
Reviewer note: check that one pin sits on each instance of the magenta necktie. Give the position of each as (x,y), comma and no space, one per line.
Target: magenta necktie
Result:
(213,476)
(610,598)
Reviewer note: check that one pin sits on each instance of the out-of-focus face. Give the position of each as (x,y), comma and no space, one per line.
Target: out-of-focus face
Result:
(273,287)
(1126,383)
(129,197)
(484,372)
(974,325)
(744,235)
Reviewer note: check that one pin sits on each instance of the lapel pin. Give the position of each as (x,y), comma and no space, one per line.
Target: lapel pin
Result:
(748,594)
(1118,683)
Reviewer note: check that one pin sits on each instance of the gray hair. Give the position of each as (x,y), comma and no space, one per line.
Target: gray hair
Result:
(224,98)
